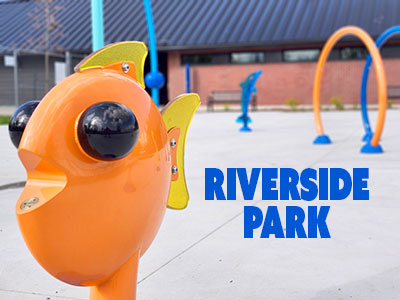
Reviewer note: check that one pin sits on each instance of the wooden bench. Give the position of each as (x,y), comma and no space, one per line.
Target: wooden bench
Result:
(393,92)
(229,97)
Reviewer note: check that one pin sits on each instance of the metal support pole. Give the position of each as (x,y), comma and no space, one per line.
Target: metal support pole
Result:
(153,49)
(97,25)
(187,67)
(16,88)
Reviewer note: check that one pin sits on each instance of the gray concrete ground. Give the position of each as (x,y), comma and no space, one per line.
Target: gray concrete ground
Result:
(200,252)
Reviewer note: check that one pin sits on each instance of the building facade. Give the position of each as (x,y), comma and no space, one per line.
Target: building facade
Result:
(287,74)
(222,41)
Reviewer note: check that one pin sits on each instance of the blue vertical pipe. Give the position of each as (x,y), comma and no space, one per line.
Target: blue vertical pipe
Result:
(153,48)
(97,25)
(187,78)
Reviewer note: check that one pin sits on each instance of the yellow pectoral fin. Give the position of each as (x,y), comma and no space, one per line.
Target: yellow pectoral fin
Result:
(134,52)
(177,115)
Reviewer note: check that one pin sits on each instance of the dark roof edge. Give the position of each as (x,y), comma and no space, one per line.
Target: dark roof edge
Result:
(279,44)
(242,46)
(299,44)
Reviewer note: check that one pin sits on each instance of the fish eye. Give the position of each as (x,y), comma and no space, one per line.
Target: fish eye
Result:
(19,119)
(108,131)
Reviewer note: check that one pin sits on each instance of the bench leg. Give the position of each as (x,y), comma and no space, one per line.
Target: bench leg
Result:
(254,106)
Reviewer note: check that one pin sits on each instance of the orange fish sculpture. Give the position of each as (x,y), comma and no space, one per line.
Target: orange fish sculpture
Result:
(102,166)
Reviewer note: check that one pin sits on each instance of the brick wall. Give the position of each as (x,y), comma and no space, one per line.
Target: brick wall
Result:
(280,81)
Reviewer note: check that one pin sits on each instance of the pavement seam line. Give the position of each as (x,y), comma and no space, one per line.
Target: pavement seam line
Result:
(333,147)
(12,185)
(40,294)
(191,246)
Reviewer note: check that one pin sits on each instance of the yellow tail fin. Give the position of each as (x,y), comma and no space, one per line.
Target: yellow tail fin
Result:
(178,114)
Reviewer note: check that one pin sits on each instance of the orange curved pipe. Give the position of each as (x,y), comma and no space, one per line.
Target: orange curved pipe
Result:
(379,69)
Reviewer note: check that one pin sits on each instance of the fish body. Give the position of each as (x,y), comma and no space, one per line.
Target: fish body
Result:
(102,166)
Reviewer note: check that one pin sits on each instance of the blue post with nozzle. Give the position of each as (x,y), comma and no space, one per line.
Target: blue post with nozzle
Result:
(187,67)
(154,80)
(97,25)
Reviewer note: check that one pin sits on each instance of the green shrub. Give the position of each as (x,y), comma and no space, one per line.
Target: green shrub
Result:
(337,102)
(292,103)
(390,103)
(4,119)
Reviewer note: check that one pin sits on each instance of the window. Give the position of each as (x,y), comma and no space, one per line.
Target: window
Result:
(273,56)
(301,55)
(59,71)
(205,59)
(9,60)
(390,51)
(247,57)
(256,57)
(353,53)
(334,55)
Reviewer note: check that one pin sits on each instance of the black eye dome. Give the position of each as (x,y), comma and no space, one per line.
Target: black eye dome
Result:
(108,131)
(19,119)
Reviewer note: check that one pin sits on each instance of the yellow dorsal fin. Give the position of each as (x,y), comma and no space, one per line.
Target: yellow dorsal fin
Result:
(178,114)
(134,52)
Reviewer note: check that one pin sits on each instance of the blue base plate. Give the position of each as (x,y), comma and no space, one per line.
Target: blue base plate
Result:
(322,139)
(245,129)
(368,148)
